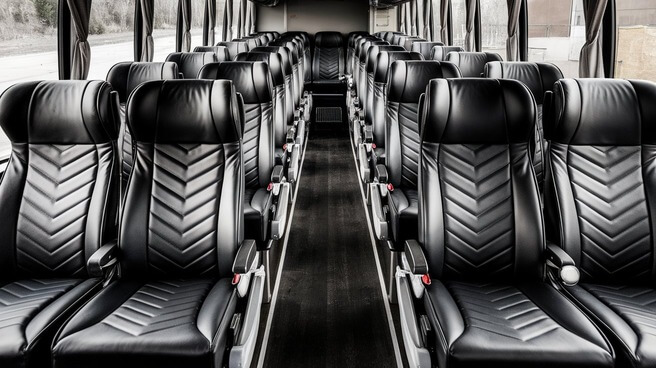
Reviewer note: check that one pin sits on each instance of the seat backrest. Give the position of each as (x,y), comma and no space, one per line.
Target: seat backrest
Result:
(356,57)
(297,69)
(411,41)
(384,61)
(307,55)
(479,205)
(222,52)
(600,186)
(328,63)
(234,48)
(439,53)
(472,64)
(190,63)
(352,38)
(389,37)
(288,70)
(183,210)
(407,81)
(425,48)
(539,78)
(59,191)
(253,81)
(372,59)
(362,65)
(252,41)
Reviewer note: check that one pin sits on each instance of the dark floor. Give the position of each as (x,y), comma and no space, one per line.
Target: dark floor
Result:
(330,310)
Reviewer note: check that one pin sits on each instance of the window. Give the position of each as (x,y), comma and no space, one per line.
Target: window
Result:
(28,40)
(494,26)
(437,23)
(556,33)
(458,21)
(111,35)
(164,29)
(636,40)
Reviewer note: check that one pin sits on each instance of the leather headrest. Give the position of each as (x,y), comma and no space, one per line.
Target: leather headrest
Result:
(328,39)
(411,40)
(273,60)
(408,79)
(251,79)
(472,64)
(389,37)
(374,51)
(364,49)
(252,42)
(235,48)
(361,41)
(190,63)
(477,111)
(60,112)
(425,48)
(610,112)
(439,53)
(284,55)
(538,77)
(385,60)
(291,46)
(222,52)
(125,77)
(185,111)
(353,36)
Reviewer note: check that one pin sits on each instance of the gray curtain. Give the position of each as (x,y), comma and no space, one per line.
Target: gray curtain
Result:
(185,8)
(250,18)
(414,11)
(147,16)
(470,35)
(210,6)
(241,31)
(226,35)
(408,19)
(591,63)
(428,20)
(444,21)
(80,14)
(401,16)
(512,43)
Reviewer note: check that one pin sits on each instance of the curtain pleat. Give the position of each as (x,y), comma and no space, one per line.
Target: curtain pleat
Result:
(470,36)
(444,21)
(401,16)
(512,43)
(80,14)
(428,20)
(408,19)
(226,35)
(241,26)
(591,63)
(147,43)
(414,11)
(211,22)
(185,7)
(251,17)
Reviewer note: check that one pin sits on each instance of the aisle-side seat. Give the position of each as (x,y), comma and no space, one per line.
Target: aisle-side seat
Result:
(425,48)
(539,78)
(190,63)
(362,73)
(439,53)
(252,41)
(58,195)
(307,53)
(474,289)
(599,205)
(328,65)
(297,66)
(126,77)
(222,53)
(234,48)
(472,64)
(352,38)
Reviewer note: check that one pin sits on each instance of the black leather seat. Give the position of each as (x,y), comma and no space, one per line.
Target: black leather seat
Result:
(370,67)
(58,197)
(328,64)
(190,63)
(439,53)
(472,64)
(297,68)
(286,58)
(396,39)
(235,48)
(389,36)
(352,38)
(539,78)
(307,53)
(222,52)
(356,59)
(252,42)
(124,78)
(599,205)
(181,241)
(362,87)
(410,41)
(425,48)
(482,250)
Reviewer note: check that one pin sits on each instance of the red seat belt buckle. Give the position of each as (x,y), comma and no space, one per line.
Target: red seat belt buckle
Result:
(390,187)
(426,279)
(236,278)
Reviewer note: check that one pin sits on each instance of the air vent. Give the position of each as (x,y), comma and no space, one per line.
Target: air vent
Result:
(329,115)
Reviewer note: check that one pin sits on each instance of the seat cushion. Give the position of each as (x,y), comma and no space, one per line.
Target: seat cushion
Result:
(256,213)
(31,311)
(628,317)
(404,209)
(503,325)
(182,323)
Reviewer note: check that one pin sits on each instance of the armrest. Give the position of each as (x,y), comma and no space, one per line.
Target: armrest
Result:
(278,174)
(279,221)
(294,164)
(414,254)
(381,173)
(561,266)
(378,213)
(291,136)
(246,259)
(363,161)
(368,136)
(102,259)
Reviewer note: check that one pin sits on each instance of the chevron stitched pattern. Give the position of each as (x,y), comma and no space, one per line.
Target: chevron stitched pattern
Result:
(160,307)
(501,310)
(183,211)
(478,210)
(127,159)
(538,156)
(21,300)
(253,119)
(409,135)
(612,210)
(52,219)
(329,63)
(636,305)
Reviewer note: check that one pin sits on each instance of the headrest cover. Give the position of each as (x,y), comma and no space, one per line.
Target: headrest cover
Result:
(609,112)
(374,51)
(439,53)
(251,79)
(328,39)
(273,60)
(222,53)
(385,60)
(185,111)
(408,79)
(284,54)
(538,77)
(365,48)
(505,112)
(425,48)
(190,63)
(472,64)
(59,112)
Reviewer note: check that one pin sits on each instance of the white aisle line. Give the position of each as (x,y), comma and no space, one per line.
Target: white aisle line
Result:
(381,278)
(274,299)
